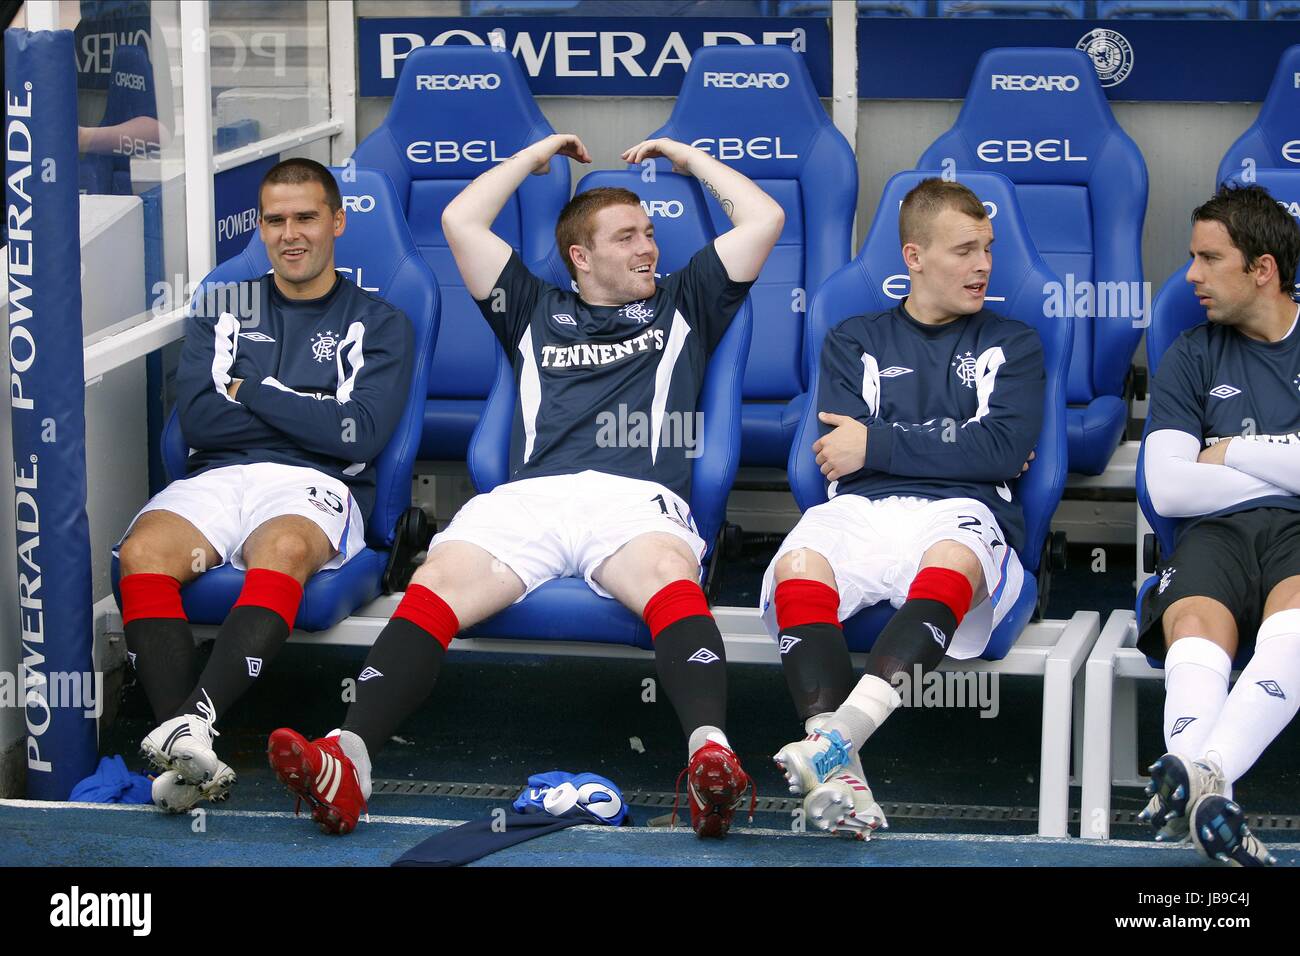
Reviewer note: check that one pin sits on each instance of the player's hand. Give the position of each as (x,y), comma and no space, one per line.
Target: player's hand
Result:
(1025,467)
(1215,454)
(557,144)
(843,450)
(233,387)
(678,154)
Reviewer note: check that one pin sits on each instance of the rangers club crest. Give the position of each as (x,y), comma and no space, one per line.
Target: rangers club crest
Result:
(1111,54)
(323,345)
(1166,576)
(965,366)
(637,312)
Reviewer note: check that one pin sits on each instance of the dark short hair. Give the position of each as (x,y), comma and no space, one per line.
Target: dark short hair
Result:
(576,223)
(1257,225)
(292,172)
(926,200)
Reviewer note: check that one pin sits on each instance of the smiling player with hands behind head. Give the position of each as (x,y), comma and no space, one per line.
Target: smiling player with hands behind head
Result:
(574,506)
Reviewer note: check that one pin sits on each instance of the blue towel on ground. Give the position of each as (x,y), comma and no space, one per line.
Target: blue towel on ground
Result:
(552,801)
(113,783)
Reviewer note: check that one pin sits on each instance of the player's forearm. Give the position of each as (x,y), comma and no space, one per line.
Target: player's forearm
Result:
(347,431)
(213,422)
(971,451)
(1274,462)
(478,204)
(1181,487)
(745,204)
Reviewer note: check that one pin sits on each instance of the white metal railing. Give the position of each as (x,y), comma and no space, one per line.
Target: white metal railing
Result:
(274,144)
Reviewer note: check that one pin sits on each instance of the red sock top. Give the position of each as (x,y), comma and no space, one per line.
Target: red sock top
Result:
(151,596)
(950,588)
(272,590)
(800,601)
(676,601)
(428,612)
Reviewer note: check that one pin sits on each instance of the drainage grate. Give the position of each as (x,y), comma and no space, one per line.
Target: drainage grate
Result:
(1256,821)
(658,800)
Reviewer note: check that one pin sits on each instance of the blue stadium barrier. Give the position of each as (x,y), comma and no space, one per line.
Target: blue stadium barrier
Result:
(1069,9)
(1199,9)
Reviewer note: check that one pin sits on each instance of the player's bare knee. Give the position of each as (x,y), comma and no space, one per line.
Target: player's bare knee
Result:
(1200,617)
(136,554)
(956,557)
(289,552)
(436,571)
(672,561)
(803,564)
(1285,596)
(148,553)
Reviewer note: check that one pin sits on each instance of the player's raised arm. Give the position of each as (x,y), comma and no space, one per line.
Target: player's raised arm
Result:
(757,219)
(467,221)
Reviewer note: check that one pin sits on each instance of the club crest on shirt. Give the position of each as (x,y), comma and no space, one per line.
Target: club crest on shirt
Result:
(637,312)
(323,345)
(1166,576)
(965,366)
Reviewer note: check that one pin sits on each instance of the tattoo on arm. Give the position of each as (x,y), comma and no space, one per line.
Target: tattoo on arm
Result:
(727,205)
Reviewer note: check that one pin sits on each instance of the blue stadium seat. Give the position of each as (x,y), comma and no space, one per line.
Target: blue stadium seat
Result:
(1198,9)
(433,141)
(1071,9)
(1082,186)
(1015,290)
(1273,140)
(130,94)
(566,609)
(783,140)
(377,247)
(866,8)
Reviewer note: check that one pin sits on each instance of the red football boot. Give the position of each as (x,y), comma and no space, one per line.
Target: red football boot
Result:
(716,785)
(319,772)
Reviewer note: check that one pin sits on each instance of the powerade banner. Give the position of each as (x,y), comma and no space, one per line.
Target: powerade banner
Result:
(235,205)
(1189,60)
(47,406)
(579,56)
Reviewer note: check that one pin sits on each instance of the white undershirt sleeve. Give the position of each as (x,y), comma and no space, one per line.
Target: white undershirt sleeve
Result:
(1182,487)
(1275,462)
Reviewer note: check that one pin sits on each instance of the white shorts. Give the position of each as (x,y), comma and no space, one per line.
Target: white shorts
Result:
(563,526)
(228,504)
(875,549)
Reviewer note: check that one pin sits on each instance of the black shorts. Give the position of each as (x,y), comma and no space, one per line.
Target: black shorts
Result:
(1237,560)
